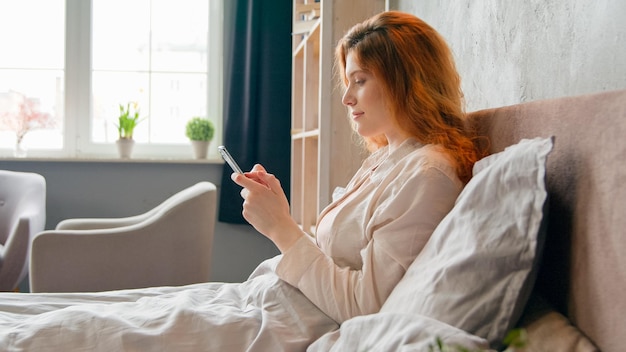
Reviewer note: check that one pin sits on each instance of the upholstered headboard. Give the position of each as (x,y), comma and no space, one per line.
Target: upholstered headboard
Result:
(583,269)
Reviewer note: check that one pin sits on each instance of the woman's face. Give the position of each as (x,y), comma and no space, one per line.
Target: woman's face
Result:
(367,103)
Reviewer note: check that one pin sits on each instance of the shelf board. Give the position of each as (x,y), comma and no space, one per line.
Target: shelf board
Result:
(313,26)
(299,134)
(310,9)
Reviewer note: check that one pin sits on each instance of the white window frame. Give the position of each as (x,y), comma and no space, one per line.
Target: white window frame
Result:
(77,142)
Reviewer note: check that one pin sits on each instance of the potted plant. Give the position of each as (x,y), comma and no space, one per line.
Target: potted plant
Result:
(200,131)
(126,123)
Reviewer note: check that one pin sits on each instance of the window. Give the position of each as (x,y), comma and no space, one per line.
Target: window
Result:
(32,72)
(77,61)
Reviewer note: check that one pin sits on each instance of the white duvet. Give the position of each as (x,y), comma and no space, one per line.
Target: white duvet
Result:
(262,314)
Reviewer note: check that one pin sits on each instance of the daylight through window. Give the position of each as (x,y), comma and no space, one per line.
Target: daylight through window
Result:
(163,56)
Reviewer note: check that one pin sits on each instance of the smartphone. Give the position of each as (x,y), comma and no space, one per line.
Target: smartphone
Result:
(229,159)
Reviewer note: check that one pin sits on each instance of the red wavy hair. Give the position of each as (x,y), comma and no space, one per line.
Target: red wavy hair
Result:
(420,81)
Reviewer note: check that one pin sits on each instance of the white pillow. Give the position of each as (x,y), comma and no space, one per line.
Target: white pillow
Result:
(476,270)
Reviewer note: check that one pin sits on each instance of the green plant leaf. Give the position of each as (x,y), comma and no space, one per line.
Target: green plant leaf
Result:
(199,129)
(126,124)
(516,338)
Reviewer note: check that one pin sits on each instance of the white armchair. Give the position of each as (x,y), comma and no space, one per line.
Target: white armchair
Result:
(169,245)
(22,215)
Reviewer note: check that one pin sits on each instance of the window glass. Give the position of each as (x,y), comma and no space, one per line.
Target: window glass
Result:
(32,73)
(73,62)
(153,53)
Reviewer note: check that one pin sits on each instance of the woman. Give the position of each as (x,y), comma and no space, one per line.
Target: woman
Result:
(403,96)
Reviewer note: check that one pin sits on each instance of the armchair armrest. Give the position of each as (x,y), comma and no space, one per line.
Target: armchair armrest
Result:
(94,224)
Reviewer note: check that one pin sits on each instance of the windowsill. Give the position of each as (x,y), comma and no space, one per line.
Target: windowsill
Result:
(209,160)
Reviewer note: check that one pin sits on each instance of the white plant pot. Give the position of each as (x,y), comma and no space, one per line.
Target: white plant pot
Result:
(125,147)
(200,149)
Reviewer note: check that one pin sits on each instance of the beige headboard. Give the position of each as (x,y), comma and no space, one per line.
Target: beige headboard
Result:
(583,272)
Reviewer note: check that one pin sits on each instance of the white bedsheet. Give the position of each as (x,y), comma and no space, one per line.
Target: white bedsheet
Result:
(261,314)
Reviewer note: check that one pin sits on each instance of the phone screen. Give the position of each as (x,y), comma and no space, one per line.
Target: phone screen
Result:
(229,159)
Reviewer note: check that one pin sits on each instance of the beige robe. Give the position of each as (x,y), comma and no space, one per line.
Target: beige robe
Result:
(368,237)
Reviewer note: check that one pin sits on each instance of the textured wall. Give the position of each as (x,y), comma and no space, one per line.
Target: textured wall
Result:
(511,51)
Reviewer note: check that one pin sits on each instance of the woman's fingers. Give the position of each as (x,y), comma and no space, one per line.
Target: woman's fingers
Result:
(266,207)
(248,180)
(258,167)
(270,181)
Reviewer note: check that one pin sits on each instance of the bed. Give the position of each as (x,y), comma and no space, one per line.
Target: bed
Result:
(578,302)
(535,241)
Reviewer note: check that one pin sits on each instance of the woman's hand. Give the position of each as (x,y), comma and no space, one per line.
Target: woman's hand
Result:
(266,207)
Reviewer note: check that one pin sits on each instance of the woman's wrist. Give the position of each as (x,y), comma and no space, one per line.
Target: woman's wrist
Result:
(286,236)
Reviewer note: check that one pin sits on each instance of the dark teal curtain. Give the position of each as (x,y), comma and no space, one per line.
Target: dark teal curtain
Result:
(257,93)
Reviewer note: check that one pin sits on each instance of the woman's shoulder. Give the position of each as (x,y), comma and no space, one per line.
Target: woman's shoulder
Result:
(411,159)
(428,155)
(415,157)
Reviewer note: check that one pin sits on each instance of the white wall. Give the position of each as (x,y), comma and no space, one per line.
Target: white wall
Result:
(511,51)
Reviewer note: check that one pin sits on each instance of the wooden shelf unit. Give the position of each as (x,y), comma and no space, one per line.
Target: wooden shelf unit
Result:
(324,154)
